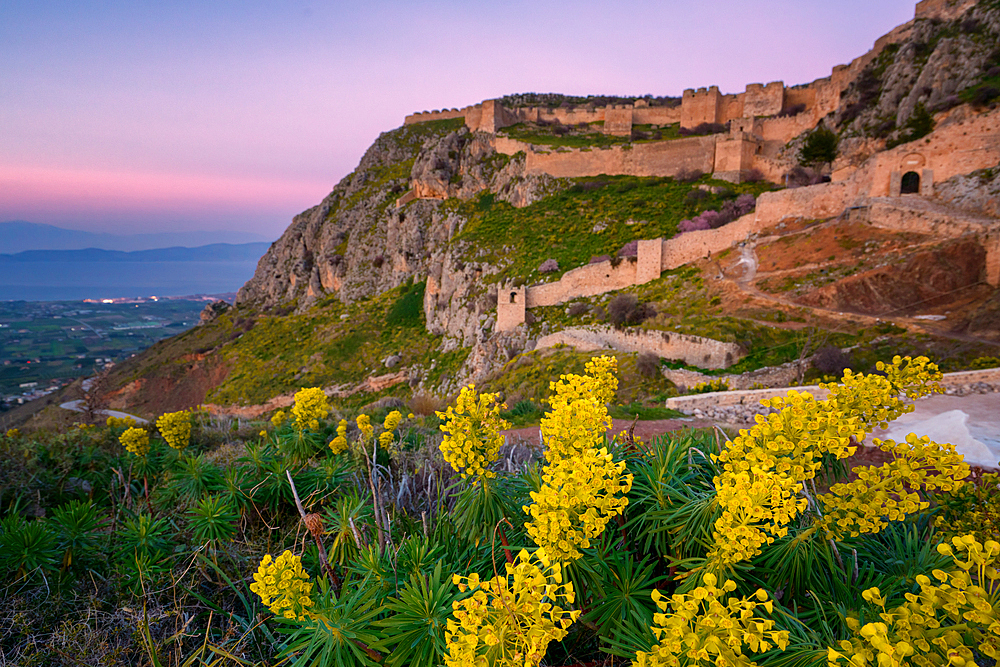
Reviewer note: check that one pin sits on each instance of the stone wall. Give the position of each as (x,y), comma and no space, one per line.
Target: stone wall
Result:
(618,121)
(661,158)
(700,106)
(751,397)
(693,350)
(511,302)
(693,246)
(761,100)
(588,280)
(442,114)
(946,152)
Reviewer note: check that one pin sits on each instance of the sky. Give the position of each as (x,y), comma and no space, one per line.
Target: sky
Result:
(138,117)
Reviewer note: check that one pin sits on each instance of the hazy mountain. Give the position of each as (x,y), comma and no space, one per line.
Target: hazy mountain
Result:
(216,252)
(17,236)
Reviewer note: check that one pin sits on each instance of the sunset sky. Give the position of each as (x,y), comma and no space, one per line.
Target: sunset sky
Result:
(130,117)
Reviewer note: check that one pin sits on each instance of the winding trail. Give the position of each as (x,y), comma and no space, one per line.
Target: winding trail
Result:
(77,406)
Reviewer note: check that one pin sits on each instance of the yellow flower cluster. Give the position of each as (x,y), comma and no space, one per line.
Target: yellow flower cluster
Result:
(136,441)
(880,495)
(339,443)
(310,406)
(13,433)
(471,430)
(283,586)
(387,438)
(510,619)
(365,424)
(935,626)
(577,499)
(707,627)
(278,418)
(764,467)
(120,422)
(582,487)
(175,427)
(579,416)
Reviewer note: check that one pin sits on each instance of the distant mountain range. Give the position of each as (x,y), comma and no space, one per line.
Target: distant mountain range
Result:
(215,252)
(18,236)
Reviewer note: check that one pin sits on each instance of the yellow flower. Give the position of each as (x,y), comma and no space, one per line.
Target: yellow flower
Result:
(120,422)
(278,418)
(582,487)
(13,433)
(472,437)
(283,585)
(310,406)
(175,427)
(365,425)
(707,626)
(339,443)
(136,441)
(516,614)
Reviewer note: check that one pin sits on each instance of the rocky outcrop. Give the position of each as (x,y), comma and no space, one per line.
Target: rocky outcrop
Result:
(978,191)
(931,66)
(358,242)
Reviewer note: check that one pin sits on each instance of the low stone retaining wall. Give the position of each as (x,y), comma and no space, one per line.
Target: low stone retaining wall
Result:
(693,350)
(740,407)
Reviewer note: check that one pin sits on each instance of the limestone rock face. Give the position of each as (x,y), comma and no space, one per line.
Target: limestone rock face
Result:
(978,191)
(936,61)
(357,242)
(212,311)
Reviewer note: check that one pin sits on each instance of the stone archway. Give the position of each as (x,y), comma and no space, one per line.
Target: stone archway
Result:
(910,183)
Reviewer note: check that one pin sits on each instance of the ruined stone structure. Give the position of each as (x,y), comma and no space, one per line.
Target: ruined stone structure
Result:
(868,192)
(692,350)
(511,303)
(757,130)
(762,119)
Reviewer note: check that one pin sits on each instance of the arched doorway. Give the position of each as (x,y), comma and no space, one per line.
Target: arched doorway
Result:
(910,184)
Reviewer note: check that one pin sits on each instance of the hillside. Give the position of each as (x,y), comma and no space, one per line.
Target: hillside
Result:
(857,211)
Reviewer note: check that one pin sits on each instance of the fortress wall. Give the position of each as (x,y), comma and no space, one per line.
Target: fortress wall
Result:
(733,156)
(662,158)
(700,106)
(656,115)
(812,202)
(618,121)
(946,152)
(443,114)
(787,128)
(761,100)
(801,95)
(583,281)
(887,215)
(573,116)
(509,146)
(510,307)
(693,350)
(693,246)
(473,117)
(731,107)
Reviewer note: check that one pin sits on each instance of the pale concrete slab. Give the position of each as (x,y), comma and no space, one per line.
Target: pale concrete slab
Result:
(971,423)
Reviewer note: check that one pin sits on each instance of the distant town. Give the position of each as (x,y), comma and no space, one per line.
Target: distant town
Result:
(46,345)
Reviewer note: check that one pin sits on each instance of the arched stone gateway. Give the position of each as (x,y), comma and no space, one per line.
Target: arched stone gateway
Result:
(910,183)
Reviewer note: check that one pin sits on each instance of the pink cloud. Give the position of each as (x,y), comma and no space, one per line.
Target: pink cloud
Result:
(48,191)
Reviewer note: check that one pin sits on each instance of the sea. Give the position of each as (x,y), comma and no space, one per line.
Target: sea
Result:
(70,281)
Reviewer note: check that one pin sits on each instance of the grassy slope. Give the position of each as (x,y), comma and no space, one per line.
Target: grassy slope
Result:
(562,226)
